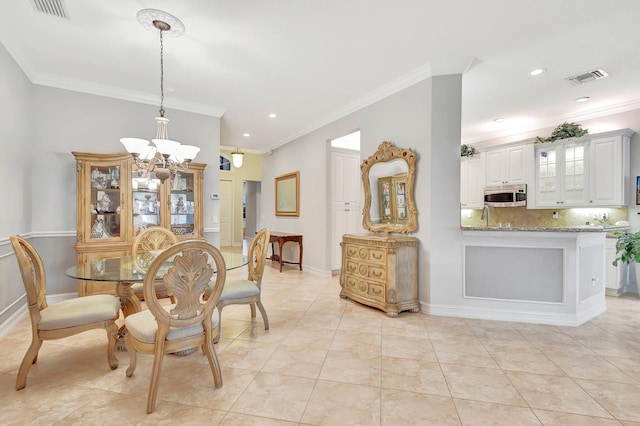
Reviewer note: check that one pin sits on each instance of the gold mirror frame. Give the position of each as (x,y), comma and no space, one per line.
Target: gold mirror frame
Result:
(288,194)
(387,152)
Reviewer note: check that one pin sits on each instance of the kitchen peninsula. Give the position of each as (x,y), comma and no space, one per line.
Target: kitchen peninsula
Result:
(539,275)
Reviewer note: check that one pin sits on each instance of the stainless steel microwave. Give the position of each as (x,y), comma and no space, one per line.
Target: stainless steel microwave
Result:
(505,195)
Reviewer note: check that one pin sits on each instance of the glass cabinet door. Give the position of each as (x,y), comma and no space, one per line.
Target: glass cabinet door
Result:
(384,191)
(145,194)
(105,202)
(182,204)
(547,184)
(574,174)
(401,203)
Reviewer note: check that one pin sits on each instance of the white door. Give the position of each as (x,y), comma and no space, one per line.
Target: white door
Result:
(226,213)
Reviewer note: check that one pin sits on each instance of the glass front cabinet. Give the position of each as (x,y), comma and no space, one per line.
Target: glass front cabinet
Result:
(115,201)
(392,202)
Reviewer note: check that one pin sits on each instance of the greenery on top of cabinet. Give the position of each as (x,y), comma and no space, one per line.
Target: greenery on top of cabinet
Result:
(468,151)
(564,131)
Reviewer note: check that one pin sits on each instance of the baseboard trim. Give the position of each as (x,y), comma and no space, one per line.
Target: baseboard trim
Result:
(514,316)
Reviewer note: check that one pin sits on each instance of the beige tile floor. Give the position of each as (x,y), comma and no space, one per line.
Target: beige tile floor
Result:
(328,361)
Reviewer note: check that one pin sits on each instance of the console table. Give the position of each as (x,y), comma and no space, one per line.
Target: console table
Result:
(281,238)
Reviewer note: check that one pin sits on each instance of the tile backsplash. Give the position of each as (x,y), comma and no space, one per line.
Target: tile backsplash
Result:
(521,216)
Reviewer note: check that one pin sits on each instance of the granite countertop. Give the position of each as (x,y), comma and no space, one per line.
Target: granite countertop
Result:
(576,228)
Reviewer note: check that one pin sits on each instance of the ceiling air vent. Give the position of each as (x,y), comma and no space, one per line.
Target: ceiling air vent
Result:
(51,7)
(587,77)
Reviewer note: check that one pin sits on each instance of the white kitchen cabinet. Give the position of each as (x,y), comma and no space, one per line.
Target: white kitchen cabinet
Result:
(615,276)
(509,165)
(609,171)
(561,175)
(472,175)
(591,171)
(346,217)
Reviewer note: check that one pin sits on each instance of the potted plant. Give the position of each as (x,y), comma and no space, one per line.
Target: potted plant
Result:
(627,247)
(564,131)
(628,251)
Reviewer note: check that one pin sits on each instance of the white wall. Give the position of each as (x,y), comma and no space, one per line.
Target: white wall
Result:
(16,105)
(424,117)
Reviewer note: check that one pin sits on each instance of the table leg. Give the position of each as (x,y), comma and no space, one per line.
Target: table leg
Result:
(280,244)
(130,304)
(300,259)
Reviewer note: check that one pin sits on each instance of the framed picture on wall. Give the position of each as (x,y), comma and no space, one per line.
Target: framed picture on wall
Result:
(638,190)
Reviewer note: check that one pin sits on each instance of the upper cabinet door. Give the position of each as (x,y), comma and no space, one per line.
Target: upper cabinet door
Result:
(101,188)
(510,165)
(345,178)
(472,171)
(607,179)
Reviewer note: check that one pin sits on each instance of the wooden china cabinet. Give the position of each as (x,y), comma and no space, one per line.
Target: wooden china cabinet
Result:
(115,201)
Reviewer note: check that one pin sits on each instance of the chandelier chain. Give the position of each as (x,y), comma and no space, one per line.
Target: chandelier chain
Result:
(161,74)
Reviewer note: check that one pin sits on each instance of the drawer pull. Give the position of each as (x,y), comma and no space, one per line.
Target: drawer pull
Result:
(352,252)
(352,268)
(378,256)
(378,275)
(375,290)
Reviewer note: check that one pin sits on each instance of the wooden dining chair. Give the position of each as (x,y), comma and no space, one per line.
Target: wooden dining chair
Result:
(62,319)
(247,291)
(192,321)
(144,248)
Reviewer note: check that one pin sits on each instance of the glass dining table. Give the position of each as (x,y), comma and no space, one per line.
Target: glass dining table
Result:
(124,272)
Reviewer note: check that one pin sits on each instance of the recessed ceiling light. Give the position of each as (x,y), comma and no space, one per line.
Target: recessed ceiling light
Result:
(246,135)
(499,120)
(272,115)
(583,99)
(537,71)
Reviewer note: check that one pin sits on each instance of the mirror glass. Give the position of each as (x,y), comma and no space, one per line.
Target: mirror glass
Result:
(388,178)
(288,194)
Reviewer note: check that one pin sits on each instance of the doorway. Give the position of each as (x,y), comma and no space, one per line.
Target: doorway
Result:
(226,213)
(345,192)
(251,208)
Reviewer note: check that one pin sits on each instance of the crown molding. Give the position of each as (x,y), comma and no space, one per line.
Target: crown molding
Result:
(553,122)
(82,86)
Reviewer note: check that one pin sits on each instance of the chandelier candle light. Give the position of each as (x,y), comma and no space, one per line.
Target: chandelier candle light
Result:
(162,155)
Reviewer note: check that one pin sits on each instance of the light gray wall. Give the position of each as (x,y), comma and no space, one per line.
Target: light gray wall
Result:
(15,169)
(41,188)
(424,117)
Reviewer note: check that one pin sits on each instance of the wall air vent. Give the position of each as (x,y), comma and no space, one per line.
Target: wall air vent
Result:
(587,77)
(51,7)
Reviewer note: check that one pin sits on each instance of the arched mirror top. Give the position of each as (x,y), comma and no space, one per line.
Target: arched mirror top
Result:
(388,179)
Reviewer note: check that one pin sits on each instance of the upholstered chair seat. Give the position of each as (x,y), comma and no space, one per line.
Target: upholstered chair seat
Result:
(79,311)
(144,327)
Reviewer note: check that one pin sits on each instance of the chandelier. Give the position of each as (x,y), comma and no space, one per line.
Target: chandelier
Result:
(237,156)
(162,155)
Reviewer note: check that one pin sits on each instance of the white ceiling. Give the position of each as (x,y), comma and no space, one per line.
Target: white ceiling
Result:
(313,61)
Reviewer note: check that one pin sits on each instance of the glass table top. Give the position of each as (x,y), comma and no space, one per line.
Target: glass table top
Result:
(124,268)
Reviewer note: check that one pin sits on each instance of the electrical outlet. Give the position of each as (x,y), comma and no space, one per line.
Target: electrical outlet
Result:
(555,215)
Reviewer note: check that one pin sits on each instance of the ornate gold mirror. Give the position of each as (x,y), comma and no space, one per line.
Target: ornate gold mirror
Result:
(288,194)
(388,179)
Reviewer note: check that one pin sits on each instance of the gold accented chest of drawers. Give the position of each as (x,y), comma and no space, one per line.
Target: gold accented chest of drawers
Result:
(380,271)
